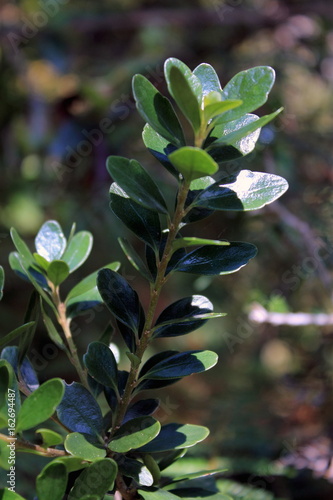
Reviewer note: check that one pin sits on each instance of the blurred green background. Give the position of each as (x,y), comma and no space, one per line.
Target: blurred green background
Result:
(66,104)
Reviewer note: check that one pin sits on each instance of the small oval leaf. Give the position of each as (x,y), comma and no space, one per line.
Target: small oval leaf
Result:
(193,163)
(176,436)
(57,272)
(134,434)
(97,479)
(101,364)
(40,405)
(78,250)
(50,241)
(77,445)
(52,482)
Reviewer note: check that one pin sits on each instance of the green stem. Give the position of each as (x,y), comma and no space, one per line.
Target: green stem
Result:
(154,296)
(64,322)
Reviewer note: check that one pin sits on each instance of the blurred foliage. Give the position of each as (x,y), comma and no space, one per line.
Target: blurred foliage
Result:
(66,105)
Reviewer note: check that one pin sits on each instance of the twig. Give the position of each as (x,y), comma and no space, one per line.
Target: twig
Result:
(259,314)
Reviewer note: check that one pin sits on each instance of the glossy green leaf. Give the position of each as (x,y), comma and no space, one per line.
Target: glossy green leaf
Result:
(120,298)
(157,110)
(52,482)
(184,316)
(182,364)
(195,475)
(85,295)
(15,333)
(249,191)
(57,272)
(186,89)
(242,132)
(79,411)
(211,260)
(101,364)
(2,281)
(137,183)
(43,263)
(176,436)
(76,444)
(134,258)
(252,86)
(21,246)
(78,250)
(235,149)
(97,479)
(193,163)
(189,241)
(50,438)
(208,77)
(24,371)
(159,147)
(158,495)
(51,329)
(136,470)
(50,241)
(144,223)
(215,109)
(134,434)
(40,405)
(6,494)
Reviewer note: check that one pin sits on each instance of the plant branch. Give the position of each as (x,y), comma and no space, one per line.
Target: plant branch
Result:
(154,296)
(64,322)
(28,447)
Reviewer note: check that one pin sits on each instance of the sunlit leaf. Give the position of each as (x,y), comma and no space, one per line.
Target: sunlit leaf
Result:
(76,444)
(78,250)
(193,163)
(176,436)
(134,434)
(50,241)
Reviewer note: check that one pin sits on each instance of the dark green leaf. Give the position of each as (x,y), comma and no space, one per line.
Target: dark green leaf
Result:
(159,147)
(76,444)
(140,408)
(151,258)
(50,241)
(79,411)
(193,163)
(134,434)
(2,281)
(15,333)
(146,384)
(135,469)
(128,336)
(208,77)
(120,298)
(186,90)
(182,364)
(211,260)
(40,405)
(52,482)
(57,272)
(136,182)
(97,479)
(184,316)
(250,191)
(252,86)
(78,250)
(134,258)
(157,110)
(101,364)
(176,436)
(85,295)
(144,223)
(8,391)
(50,438)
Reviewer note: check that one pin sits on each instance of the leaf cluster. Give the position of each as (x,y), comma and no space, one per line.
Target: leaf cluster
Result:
(126,449)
